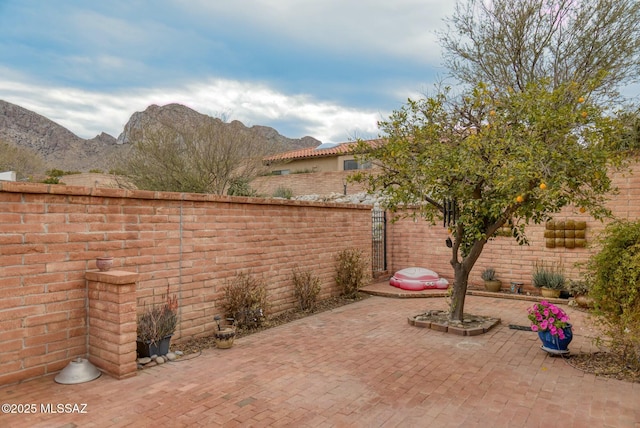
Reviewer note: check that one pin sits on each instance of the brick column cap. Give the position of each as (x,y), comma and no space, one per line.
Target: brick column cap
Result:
(116,277)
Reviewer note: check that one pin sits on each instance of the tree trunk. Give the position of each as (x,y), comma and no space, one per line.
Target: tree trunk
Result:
(461,271)
(460,283)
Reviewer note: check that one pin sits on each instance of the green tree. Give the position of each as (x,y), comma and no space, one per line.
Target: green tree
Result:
(520,141)
(630,140)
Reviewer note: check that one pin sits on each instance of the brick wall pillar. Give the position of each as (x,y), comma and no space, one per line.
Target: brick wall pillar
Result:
(112,322)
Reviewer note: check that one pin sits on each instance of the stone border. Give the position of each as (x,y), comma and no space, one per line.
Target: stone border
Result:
(156,360)
(515,296)
(402,294)
(383,289)
(459,330)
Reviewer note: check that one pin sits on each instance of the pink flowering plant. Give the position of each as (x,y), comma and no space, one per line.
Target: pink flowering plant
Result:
(547,316)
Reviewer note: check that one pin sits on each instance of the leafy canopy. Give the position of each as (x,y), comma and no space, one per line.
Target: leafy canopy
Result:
(505,158)
(532,129)
(614,273)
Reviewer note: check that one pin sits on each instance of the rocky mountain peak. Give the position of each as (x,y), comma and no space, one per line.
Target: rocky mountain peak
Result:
(62,149)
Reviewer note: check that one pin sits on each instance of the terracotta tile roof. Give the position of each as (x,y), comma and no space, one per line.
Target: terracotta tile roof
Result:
(312,152)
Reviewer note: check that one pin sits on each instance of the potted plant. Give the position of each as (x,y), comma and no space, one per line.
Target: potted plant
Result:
(491,283)
(552,325)
(224,335)
(579,289)
(548,278)
(155,327)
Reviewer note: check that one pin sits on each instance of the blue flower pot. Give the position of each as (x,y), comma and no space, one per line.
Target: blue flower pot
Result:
(554,344)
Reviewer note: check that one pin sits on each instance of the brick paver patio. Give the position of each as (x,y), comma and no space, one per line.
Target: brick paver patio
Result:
(360,365)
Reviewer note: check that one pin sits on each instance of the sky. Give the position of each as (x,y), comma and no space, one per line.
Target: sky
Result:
(329,69)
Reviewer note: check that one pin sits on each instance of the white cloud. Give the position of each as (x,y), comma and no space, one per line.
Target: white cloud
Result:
(88,113)
(300,67)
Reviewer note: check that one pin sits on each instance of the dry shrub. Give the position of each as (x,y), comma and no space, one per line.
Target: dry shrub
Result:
(245,300)
(158,321)
(306,288)
(352,271)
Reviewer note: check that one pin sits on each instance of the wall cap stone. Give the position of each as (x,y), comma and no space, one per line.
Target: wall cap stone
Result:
(59,189)
(116,277)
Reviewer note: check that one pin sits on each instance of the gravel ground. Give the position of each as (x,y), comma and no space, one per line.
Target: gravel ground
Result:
(604,364)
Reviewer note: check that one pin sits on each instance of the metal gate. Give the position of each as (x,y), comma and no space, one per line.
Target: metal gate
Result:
(379,241)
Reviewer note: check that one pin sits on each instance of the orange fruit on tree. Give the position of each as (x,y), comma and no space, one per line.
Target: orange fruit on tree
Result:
(519,199)
(583,210)
(581,99)
(583,114)
(492,113)
(543,186)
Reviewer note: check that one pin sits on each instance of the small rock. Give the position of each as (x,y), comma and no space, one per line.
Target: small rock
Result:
(159,360)
(179,353)
(140,366)
(171,356)
(144,360)
(154,356)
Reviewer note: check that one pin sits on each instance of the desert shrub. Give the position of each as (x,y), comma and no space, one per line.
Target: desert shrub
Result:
(241,187)
(548,275)
(51,180)
(352,271)
(614,275)
(283,192)
(59,173)
(306,288)
(489,274)
(578,287)
(245,300)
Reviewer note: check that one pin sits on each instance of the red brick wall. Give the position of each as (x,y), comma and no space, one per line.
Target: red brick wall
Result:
(419,244)
(316,183)
(51,234)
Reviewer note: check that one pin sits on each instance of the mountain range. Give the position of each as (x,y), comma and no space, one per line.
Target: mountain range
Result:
(62,149)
